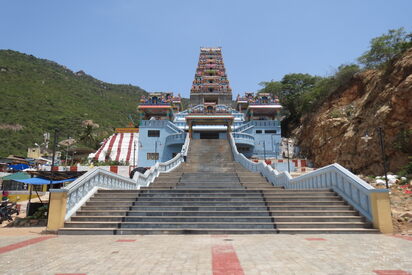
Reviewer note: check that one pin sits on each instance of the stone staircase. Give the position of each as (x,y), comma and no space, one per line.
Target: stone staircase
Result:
(212,194)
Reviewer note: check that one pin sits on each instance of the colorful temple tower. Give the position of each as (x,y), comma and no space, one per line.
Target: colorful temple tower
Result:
(254,123)
(210,84)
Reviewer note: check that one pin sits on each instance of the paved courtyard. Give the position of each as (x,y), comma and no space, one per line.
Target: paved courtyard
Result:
(26,251)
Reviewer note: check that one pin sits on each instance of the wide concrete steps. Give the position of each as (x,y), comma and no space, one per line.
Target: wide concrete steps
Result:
(212,194)
(157,231)
(215,211)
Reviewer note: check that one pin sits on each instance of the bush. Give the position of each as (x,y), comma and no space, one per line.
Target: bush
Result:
(385,47)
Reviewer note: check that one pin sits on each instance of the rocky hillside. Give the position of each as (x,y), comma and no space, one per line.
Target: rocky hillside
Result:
(373,98)
(39,95)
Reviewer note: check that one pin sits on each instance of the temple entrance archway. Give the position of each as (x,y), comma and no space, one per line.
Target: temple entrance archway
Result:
(209,135)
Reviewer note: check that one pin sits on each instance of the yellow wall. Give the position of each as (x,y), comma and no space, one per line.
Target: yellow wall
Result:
(381,212)
(57,210)
(24,195)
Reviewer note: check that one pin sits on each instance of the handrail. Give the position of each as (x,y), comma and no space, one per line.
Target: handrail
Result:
(79,191)
(185,147)
(265,122)
(243,136)
(173,137)
(164,167)
(353,189)
(174,127)
(154,123)
(243,127)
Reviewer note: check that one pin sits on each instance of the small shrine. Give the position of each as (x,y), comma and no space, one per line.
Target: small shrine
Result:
(261,106)
(159,106)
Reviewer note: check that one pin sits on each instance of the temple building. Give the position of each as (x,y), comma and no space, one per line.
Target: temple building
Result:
(211,84)
(253,119)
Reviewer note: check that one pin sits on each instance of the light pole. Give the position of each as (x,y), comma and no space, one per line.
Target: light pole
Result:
(275,147)
(264,149)
(134,154)
(160,144)
(366,138)
(287,148)
(56,132)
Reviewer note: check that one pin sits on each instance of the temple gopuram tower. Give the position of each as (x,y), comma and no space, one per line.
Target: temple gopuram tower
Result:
(210,84)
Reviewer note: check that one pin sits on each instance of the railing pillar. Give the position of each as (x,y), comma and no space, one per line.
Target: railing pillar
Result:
(381,211)
(190,129)
(57,211)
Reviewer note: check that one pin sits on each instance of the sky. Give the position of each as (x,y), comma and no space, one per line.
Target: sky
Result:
(155,44)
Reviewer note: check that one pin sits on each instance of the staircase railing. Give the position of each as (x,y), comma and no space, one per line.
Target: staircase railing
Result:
(243,127)
(162,167)
(175,138)
(265,123)
(173,127)
(79,191)
(244,138)
(353,189)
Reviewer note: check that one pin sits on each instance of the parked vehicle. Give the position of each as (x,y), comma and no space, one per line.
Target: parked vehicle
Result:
(7,210)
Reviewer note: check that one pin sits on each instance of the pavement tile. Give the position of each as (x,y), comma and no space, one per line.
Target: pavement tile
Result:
(192,254)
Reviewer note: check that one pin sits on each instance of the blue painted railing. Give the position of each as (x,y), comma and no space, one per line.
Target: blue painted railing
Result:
(154,123)
(350,187)
(79,191)
(175,139)
(265,123)
(243,127)
(173,127)
(244,138)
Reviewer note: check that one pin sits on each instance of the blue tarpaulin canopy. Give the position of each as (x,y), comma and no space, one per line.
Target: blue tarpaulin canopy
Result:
(19,167)
(40,181)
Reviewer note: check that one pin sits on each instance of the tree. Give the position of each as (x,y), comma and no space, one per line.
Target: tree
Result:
(294,86)
(88,137)
(385,47)
(291,91)
(273,87)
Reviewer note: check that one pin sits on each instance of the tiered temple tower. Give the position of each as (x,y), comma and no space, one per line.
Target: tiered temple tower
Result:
(211,84)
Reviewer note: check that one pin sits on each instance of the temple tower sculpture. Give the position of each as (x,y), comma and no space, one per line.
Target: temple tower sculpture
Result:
(211,84)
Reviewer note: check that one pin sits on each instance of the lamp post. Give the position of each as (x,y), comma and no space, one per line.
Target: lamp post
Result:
(56,132)
(366,138)
(287,148)
(264,149)
(134,154)
(160,144)
(275,147)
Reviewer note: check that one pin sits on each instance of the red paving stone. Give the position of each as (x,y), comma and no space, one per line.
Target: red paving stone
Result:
(408,238)
(18,245)
(391,272)
(225,261)
(125,241)
(315,239)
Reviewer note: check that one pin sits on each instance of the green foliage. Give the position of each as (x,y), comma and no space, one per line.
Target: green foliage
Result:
(406,171)
(304,93)
(41,95)
(41,213)
(385,47)
(403,141)
(273,87)
(109,163)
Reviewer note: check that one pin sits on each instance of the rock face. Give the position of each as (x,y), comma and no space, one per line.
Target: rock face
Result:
(372,99)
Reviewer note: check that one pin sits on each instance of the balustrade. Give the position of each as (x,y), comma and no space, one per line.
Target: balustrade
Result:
(79,191)
(354,190)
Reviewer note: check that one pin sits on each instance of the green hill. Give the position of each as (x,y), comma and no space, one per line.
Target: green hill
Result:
(38,96)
